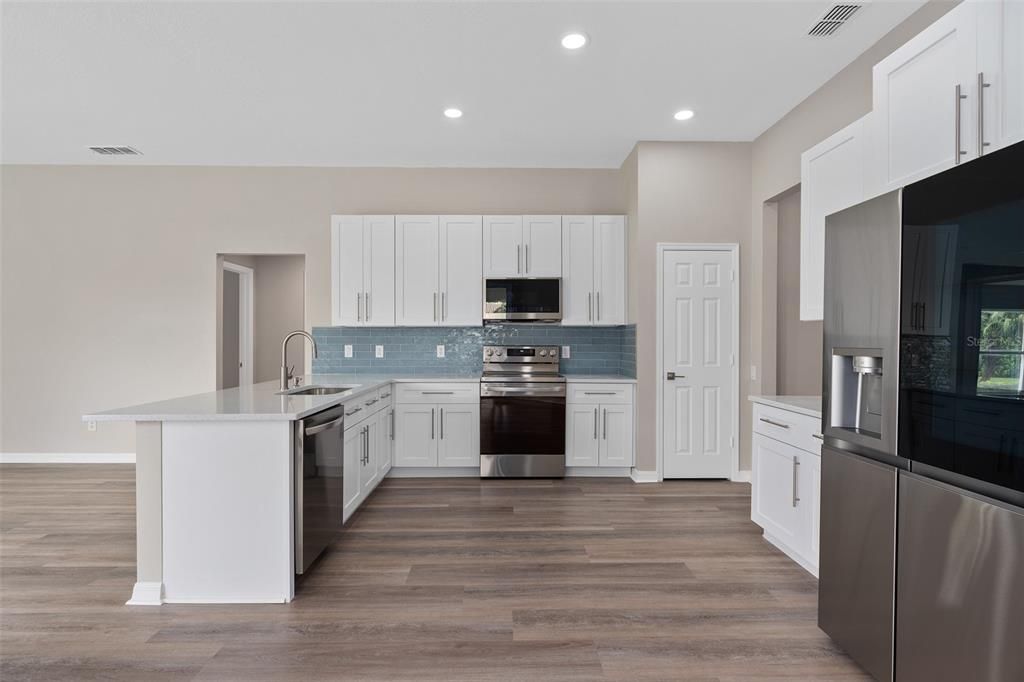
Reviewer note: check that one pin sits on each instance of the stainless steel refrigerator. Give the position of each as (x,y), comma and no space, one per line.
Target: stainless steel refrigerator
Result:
(922,525)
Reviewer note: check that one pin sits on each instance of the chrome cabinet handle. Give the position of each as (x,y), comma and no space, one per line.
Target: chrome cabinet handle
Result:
(437,392)
(595,423)
(598,297)
(956,120)
(353,411)
(385,395)
(435,306)
(432,423)
(526,258)
(604,424)
(598,392)
(775,423)
(359,307)
(981,113)
(392,424)
(796,463)
(372,402)
(519,259)
(590,307)
(444,307)
(442,423)
(366,297)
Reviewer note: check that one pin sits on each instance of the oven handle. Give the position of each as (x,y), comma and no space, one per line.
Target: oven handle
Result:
(492,391)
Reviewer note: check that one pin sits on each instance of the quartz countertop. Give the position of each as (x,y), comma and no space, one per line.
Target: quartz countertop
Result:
(262,402)
(802,404)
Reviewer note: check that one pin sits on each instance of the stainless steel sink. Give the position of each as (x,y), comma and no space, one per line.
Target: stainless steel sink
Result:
(317,390)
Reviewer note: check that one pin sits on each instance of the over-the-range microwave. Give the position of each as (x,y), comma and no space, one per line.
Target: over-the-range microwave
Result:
(534,299)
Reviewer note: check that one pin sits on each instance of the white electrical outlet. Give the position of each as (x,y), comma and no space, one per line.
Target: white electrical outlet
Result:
(92,426)
(440,350)
(379,351)
(565,352)
(348,350)
(753,372)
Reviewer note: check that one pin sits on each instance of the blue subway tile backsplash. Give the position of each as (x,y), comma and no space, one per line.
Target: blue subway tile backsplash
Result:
(413,350)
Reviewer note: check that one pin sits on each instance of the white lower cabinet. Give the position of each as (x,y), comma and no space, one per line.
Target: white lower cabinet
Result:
(437,425)
(416,436)
(458,430)
(599,434)
(367,448)
(785,484)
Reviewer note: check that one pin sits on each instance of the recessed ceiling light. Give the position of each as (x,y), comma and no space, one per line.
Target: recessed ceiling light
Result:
(574,41)
(452,112)
(683,115)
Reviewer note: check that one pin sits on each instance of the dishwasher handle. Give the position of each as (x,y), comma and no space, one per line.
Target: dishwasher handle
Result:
(320,428)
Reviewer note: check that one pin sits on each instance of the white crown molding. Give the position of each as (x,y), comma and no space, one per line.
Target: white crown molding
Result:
(67,458)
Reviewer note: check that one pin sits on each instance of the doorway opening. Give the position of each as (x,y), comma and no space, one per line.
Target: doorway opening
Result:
(697,360)
(260,298)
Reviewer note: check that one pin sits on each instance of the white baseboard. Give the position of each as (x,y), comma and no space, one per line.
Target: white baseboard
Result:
(67,458)
(639,476)
(597,472)
(146,594)
(742,476)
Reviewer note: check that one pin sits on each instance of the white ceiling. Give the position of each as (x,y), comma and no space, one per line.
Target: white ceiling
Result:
(364,84)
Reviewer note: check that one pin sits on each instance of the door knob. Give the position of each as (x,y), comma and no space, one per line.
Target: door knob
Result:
(671,376)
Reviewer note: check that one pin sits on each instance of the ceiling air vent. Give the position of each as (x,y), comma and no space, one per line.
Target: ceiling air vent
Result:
(834,20)
(116,151)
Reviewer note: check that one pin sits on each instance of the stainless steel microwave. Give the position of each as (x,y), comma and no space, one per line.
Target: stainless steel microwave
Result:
(535,299)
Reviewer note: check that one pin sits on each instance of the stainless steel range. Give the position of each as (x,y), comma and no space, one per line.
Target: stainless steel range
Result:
(522,413)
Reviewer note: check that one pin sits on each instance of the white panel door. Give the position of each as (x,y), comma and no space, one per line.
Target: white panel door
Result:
(458,431)
(379,270)
(542,245)
(581,434)
(415,436)
(831,179)
(776,506)
(915,104)
(503,246)
(616,448)
(462,298)
(417,250)
(610,270)
(1001,64)
(351,485)
(347,269)
(699,402)
(578,270)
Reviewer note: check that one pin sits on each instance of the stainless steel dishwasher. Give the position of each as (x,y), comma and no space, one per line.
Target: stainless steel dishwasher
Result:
(319,472)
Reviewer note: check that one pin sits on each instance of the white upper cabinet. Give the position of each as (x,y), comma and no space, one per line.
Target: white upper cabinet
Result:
(461,278)
(417,263)
(438,271)
(610,269)
(1000,73)
(363,270)
(522,246)
(542,245)
(503,246)
(925,103)
(593,270)
(831,179)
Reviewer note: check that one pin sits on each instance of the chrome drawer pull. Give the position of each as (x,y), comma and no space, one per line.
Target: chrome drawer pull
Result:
(774,423)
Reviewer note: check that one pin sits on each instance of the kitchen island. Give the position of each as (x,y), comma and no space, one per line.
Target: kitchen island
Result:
(215,485)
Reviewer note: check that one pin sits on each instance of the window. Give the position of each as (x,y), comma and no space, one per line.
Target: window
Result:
(1001,358)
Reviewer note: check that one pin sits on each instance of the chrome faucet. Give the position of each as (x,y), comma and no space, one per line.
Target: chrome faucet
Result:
(286,371)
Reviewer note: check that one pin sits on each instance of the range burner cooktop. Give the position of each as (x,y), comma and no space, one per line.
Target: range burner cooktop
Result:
(521,363)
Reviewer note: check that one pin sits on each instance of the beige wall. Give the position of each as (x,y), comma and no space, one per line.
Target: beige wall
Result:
(108,274)
(279,282)
(798,371)
(686,192)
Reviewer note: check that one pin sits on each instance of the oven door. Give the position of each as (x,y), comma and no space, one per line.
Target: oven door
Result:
(522,419)
(525,300)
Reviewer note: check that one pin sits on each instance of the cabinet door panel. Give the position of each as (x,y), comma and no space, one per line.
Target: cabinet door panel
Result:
(461,271)
(542,246)
(379,270)
(503,243)
(385,442)
(610,270)
(369,474)
(809,490)
(1001,61)
(775,482)
(417,298)
(577,270)
(915,101)
(458,432)
(581,433)
(352,487)
(616,448)
(347,266)
(415,436)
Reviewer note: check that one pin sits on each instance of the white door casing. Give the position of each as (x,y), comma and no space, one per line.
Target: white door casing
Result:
(698,327)
(246,320)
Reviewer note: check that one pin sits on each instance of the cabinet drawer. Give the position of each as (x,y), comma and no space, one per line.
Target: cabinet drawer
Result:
(387,394)
(592,394)
(420,393)
(789,427)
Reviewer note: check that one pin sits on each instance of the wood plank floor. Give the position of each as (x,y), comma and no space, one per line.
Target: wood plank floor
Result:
(442,579)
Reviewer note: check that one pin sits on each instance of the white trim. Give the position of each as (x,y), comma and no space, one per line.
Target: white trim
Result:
(597,472)
(644,476)
(245,319)
(146,594)
(734,249)
(67,458)
(434,472)
(741,476)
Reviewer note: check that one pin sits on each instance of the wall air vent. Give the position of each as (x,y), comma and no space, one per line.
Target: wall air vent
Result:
(116,151)
(834,19)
